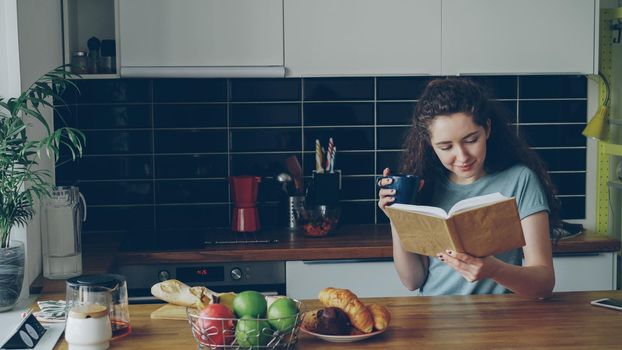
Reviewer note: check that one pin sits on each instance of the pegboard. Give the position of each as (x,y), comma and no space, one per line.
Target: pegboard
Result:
(605,149)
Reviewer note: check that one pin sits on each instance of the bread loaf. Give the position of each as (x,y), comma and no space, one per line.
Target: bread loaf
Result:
(360,317)
(178,293)
(380,315)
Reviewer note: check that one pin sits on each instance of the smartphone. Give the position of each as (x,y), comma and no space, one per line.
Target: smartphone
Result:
(609,303)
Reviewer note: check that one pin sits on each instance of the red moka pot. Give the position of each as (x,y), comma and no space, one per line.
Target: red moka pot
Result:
(245,216)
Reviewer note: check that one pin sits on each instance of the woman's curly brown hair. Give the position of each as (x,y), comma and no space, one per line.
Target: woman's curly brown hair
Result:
(504,148)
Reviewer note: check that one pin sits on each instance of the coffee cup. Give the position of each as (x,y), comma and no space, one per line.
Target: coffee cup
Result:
(405,186)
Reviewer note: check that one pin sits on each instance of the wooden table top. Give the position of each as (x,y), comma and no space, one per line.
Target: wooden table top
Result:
(565,321)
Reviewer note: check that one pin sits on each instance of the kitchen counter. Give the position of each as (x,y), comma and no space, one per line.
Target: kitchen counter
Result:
(103,253)
(348,242)
(564,321)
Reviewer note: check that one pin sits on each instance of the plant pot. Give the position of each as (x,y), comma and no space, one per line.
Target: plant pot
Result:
(11,274)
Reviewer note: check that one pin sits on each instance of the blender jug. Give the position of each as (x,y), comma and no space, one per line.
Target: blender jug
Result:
(62,215)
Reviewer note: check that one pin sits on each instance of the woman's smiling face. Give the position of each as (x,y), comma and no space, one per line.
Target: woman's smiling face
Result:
(460,145)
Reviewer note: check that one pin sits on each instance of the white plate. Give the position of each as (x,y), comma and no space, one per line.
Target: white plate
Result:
(342,338)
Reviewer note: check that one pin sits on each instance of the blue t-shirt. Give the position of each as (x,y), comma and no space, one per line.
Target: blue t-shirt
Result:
(517,181)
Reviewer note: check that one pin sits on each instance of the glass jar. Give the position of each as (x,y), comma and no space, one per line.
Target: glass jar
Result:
(62,215)
(78,62)
(89,288)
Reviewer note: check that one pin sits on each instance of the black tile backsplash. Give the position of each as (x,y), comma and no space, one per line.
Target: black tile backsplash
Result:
(553,111)
(189,90)
(262,114)
(339,113)
(159,151)
(552,86)
(338,89)
(114,117)
(190,115)
(264,90)
(400,88)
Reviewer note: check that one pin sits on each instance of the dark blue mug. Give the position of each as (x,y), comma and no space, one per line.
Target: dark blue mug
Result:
(405,186)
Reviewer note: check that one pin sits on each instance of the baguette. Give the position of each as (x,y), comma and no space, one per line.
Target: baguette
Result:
(381,316)
(178,293)
(360,317)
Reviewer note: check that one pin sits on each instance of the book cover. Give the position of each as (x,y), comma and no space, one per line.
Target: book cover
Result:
(480,226)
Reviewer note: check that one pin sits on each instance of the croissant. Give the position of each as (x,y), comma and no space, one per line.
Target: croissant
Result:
(381,316)
(347,301)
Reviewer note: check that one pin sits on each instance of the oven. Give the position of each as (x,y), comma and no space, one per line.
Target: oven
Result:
(266,277)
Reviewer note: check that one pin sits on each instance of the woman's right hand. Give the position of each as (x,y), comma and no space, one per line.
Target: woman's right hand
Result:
(385,195)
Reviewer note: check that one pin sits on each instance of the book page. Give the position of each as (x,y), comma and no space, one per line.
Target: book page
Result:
(475,202)
(424,209)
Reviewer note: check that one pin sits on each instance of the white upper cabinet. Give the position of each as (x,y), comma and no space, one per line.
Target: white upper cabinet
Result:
(192,37)
(526,36)
(362,37)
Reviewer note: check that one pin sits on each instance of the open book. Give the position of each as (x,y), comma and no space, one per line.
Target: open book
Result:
(479,226)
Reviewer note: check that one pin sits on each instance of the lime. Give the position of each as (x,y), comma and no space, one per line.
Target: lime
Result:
(249,303)
(252,332)
(282,314)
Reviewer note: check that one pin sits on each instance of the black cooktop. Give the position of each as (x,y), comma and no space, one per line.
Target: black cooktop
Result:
(193,239)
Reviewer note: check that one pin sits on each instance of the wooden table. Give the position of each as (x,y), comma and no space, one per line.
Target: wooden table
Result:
(565,321)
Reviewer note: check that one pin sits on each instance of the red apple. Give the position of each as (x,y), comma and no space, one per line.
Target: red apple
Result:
(216,325)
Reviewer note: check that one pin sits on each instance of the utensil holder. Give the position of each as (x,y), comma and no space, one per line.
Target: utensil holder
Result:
(294,203)
(325,188)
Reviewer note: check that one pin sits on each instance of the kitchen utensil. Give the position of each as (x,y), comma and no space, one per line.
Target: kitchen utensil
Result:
(170,312)
(284,179)
(294,205)
(63,213)
(294,168)
(325,188)
(245,216)
(99,289)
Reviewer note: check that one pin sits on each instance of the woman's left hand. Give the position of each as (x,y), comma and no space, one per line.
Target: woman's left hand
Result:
(471,268)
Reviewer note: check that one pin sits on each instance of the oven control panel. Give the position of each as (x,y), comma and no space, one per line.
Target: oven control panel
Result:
(211,275)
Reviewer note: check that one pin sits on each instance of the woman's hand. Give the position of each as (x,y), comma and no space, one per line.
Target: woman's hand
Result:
(471,268)
(385,195)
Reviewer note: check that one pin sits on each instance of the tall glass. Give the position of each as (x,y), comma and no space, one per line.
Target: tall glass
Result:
(62,215)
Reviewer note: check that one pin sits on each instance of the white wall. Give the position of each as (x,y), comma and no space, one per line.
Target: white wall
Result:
(40,50)
(30,45)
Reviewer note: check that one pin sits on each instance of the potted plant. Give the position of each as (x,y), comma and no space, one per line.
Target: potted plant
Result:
(21,182)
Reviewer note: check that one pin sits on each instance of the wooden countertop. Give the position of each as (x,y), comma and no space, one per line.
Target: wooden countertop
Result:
(101,254)
(349,242)
(566,320)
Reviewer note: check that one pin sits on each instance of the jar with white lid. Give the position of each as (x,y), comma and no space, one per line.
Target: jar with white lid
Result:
(79,62)
(88,327)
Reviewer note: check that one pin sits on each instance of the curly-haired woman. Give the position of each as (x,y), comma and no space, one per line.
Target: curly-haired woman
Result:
(462,146)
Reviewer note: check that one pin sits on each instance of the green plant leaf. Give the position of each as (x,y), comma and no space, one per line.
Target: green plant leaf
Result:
(20,180)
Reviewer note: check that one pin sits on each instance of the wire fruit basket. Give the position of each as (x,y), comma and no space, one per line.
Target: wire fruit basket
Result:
(246,332)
